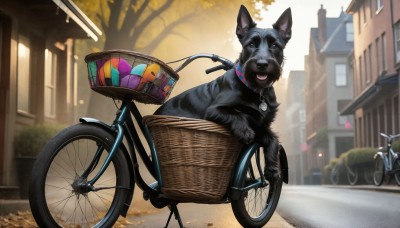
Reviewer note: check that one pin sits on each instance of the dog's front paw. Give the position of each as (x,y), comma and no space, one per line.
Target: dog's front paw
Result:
(245,135)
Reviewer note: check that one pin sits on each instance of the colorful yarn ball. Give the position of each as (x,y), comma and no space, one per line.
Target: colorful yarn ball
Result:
(108,73)
(130,81)
(151,72)
(92,67)
(149,75)
(124,67)
(138,70)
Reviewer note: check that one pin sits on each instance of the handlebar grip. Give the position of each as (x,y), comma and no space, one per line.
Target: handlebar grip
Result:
(212,69)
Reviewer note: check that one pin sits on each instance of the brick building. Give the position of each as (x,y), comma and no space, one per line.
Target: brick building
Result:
(376,70)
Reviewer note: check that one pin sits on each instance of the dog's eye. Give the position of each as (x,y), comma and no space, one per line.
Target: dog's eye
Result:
(252,45)
(274,46)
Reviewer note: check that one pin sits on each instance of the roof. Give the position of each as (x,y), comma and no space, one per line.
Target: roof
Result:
(79,17)
(60,19)
(335,34)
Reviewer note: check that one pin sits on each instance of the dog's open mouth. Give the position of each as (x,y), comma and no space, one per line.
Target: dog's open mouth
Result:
(262,77)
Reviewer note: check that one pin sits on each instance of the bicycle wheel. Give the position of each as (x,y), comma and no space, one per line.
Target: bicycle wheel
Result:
(56,196)
(396,169)
(352,176)
(255,207)
(368,174)
(379,171)
(335,175)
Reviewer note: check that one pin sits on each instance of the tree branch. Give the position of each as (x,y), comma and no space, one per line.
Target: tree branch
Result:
(140,28)
(167,31)
(101,16)
(131,18)
(115,10)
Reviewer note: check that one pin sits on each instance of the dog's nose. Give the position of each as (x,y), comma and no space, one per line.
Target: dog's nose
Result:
(262,63)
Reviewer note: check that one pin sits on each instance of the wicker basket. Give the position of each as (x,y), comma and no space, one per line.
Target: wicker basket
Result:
(196,157)
(130,75)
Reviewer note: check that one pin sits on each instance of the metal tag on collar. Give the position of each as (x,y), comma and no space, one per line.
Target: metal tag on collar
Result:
(263,105)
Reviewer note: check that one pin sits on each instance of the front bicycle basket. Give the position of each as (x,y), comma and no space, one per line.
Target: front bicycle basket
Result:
(130,75)
(197,157)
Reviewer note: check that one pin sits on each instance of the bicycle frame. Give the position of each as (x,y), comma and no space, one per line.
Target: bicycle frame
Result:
(387,154)
(123,127)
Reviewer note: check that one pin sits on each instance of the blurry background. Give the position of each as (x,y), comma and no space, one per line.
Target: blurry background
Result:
(338,90)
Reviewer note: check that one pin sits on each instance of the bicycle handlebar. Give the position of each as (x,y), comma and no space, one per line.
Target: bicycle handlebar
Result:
(226,64)
(390,136)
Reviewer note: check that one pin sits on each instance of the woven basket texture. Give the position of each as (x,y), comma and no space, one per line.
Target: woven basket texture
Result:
(196,157)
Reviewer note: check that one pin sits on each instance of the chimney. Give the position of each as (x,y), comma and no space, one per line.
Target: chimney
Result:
(322,25)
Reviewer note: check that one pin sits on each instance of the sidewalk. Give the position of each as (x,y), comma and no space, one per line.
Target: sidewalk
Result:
(21,208)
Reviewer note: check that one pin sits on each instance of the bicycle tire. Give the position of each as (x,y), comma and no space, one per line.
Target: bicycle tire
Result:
(52,198)
(396,169)
(379,171)
(240,208)
(352,176)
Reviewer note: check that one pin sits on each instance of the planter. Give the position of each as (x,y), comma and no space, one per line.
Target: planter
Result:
(24,170)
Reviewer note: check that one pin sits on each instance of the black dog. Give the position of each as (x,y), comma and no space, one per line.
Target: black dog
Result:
(243,99)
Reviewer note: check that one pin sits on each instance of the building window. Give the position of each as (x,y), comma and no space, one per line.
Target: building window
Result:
(360,75)
(349,32)
(302,115)
(379,5)
(364,13)
(397,40)
(370,8)
(370,62)
(340,72)
(378,56)
(24,77)
(384,60)
(342,120)
(366,67)
(50,72)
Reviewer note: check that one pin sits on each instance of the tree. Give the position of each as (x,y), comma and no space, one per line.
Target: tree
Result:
(168,29)
(141,24)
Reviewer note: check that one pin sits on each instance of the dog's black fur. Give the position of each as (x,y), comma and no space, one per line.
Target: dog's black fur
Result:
(230,102)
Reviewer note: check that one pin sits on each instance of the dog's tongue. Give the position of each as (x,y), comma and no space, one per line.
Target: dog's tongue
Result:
(262,77)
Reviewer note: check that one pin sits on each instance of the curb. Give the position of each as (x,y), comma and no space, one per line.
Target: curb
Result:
(384,188)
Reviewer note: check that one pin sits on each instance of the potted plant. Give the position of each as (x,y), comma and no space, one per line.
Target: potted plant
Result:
(27,144)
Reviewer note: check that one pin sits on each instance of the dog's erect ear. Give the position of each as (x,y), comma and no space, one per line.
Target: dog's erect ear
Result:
(244,22)
(284,25)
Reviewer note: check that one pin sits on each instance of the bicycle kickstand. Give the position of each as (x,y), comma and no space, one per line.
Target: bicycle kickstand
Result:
(174,210)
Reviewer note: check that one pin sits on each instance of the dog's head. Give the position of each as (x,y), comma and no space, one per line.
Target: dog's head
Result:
(262,55)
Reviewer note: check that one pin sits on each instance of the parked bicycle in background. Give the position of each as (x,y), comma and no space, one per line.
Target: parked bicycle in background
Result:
(387,162)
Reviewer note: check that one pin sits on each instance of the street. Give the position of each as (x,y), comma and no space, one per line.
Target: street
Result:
(325,207)
(299,206)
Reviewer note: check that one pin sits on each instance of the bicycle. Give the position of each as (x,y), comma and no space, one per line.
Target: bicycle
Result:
(85,176)
(387,162)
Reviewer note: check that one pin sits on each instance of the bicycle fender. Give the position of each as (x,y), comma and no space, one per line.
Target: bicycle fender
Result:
(128,200)
(241,170)
(284,165)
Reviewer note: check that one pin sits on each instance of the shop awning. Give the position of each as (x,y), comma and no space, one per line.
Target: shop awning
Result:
(79,17)
(380,86)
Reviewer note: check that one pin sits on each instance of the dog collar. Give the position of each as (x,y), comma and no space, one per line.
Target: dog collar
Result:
(242,78)
(239,72)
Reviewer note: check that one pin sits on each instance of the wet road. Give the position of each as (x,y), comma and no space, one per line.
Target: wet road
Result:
(326,207)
